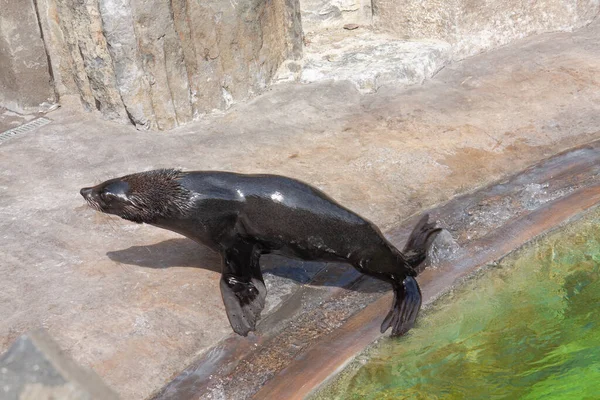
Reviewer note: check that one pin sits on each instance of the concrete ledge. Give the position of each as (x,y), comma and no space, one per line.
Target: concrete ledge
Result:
(475,26)
(368,60)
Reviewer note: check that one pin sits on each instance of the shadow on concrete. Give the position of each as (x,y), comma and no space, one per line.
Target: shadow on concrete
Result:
(170,253)
(187,253)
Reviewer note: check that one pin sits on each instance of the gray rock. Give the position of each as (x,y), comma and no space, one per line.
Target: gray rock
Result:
(162,60)
(422,37)
(66,58)
(61,63)
(34,368)
(160,64)
(443,248)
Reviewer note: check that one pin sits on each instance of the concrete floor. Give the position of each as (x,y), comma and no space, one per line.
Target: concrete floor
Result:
(138,304)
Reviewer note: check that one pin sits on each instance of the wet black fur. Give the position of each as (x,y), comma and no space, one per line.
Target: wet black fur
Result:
(245,216)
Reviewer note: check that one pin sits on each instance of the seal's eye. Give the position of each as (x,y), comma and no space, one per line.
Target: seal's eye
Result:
(107,196)
(115,190)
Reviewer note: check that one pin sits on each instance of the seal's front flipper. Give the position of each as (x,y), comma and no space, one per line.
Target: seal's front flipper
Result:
(242,286)
(243,301)
(405,308)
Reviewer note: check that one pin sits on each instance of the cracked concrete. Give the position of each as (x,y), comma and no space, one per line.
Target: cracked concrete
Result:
(138,304)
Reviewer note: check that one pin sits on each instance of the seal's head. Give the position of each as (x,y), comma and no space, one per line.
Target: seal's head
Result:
(143,197)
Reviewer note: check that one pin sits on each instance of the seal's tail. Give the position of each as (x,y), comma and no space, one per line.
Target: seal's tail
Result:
(405,308)
(419,241)
(407,295)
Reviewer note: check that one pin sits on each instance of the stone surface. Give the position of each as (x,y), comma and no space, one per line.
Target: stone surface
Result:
(161,64)
(61,63)
(138,304)
(131,80)
(369,60)
(473,26)
(34,368)
(25,80)
(87,46)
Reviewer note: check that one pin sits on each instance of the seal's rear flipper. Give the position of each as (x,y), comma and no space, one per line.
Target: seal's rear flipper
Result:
(405,308)
(419,241)
(243,301)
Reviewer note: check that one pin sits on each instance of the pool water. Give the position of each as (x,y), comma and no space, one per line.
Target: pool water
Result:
(527,328)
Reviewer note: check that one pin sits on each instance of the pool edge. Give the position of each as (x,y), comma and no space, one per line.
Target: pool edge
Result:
(329,355)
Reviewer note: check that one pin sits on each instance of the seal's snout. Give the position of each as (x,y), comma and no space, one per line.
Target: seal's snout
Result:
(86,192)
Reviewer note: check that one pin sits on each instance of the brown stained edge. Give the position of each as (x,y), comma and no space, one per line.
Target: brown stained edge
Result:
(219,358)
(330,354)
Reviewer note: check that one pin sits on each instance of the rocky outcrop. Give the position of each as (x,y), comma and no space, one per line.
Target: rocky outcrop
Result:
(160,64)
(25,80)
(404,42)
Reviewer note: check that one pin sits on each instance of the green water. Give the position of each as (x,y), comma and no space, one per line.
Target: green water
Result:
(528,328)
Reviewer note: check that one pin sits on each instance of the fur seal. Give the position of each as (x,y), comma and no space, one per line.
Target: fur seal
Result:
(244,216)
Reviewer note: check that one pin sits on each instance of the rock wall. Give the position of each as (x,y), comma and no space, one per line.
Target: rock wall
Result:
(472,26)
(25,81)
(160,63)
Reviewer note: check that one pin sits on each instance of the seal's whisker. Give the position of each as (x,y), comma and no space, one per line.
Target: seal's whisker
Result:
(111,222)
